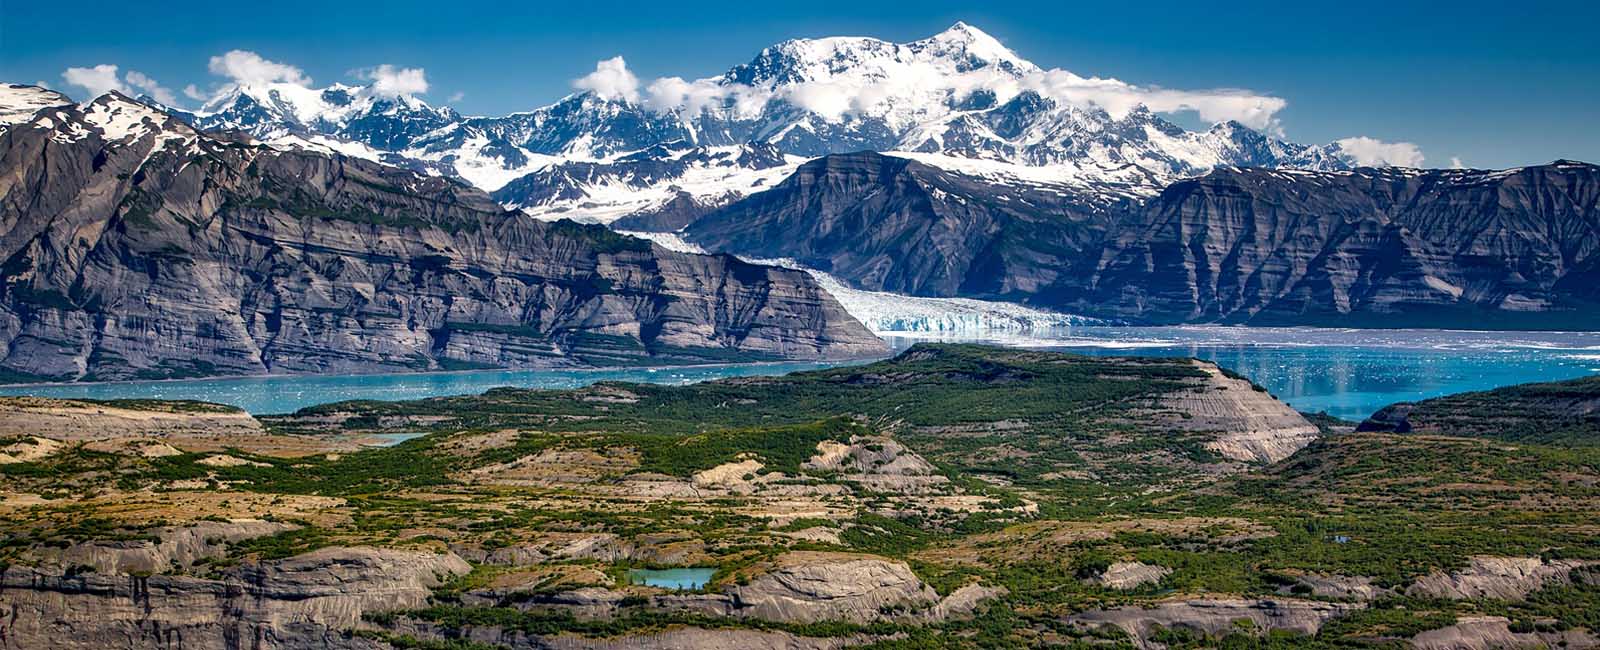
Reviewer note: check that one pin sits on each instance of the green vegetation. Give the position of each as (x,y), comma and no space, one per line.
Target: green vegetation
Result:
(1048,469)
(1565,413)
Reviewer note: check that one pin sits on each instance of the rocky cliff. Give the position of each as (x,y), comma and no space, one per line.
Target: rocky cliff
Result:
(307,601)
(887,223)
(135,247)
(1369,247)
(1384,247)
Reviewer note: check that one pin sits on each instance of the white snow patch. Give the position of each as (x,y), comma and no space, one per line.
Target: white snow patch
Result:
(19,103)
(613,197)
(1439,284)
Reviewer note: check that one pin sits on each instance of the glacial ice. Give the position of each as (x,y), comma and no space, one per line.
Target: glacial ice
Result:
(891,313)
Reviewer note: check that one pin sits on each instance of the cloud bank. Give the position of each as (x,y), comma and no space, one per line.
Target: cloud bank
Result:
(835,96)
(1372,152)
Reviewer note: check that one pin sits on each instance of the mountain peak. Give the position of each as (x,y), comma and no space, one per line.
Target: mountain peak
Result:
(20,102)
(962,38)
(123,118)
(965,33)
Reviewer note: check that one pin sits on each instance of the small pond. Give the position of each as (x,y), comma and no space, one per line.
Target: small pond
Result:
(683,579)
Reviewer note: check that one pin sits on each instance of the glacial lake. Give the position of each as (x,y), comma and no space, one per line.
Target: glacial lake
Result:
(682,579)
(1346,372)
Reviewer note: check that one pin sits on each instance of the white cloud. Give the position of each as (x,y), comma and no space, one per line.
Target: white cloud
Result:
(671,93)
(193,92)
(42,84)
(611,80)
(457,96)
(389,81)
(1377,153)
(98,80)
(249,68)
(1118,98)
(1455,163)
(144,82)
(833,96)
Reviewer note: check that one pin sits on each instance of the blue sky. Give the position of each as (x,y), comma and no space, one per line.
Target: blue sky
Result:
(1491,83)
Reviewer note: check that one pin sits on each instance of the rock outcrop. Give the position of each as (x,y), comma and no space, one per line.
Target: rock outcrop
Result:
(308,601)
(75,420)
(1354,588)
(801,587)
(1216,617)
(1494,633)
(133,246)
(1501,578)
(1132,575)
(812,587)
(878,463)
(171,547)
(1247,422)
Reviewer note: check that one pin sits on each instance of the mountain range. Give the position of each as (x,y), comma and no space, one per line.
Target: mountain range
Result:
(959,93)
(134,246)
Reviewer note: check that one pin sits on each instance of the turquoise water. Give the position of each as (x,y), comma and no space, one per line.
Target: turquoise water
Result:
(285,394)
(1348,373)
(392,439)
(683,579)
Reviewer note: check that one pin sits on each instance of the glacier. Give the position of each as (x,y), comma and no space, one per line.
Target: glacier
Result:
(893,314)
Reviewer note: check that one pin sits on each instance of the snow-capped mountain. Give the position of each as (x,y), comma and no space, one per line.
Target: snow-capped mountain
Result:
(957,94)
(660,189)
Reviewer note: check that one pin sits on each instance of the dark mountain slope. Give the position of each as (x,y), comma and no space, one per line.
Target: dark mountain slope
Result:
(892,224)
(1370,247)
(1392,247)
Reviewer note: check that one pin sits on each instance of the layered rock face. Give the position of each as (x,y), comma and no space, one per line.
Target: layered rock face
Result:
(1249,424)
(1502,578)
(1391,247)
(308,601)
(1215,616)
(135,247)
(886,223)
(1370,247)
